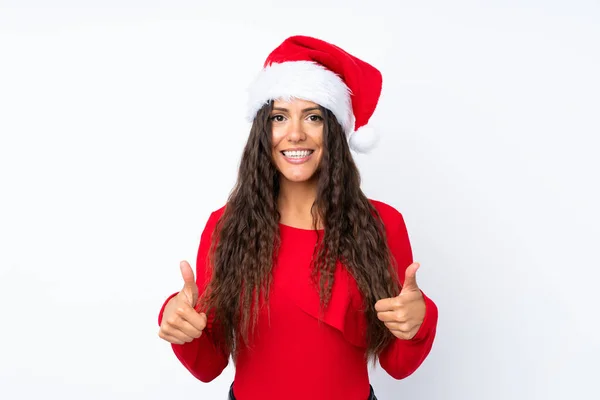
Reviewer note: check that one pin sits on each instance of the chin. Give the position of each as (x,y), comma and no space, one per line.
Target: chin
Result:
(298,177)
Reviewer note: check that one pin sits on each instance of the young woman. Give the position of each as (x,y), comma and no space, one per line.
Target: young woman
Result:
(300,278)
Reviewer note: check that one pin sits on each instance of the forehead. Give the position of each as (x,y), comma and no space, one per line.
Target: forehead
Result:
(294,103)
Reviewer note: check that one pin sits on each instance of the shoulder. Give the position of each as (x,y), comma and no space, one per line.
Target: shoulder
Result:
(389,214)
(216,214)
(213,218)
(396,232)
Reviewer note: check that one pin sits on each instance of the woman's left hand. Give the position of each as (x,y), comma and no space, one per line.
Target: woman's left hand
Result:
(404,314)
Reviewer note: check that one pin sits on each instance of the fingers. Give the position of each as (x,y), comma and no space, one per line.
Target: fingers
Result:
(177,330)
(171,331)
(404,300)
(404,332)
(183,325)
(387,304)
(392,316)
(194,320)
(171,338)
(399,323)
(190,289)
(404,314)
(188,296)
(399,327)
(410,278)
(186,272)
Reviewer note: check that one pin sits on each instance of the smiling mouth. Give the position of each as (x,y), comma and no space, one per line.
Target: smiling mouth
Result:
(297,154)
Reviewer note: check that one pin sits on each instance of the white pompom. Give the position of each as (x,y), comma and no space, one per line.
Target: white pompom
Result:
(363,140)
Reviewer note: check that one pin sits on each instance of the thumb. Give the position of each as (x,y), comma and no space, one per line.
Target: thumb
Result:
(190,289)
(410,278)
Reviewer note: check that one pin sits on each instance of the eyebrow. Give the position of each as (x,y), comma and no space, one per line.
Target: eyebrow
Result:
(286,110)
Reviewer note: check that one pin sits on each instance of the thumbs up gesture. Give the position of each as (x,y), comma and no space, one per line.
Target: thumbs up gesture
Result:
(181,323)
(404,314)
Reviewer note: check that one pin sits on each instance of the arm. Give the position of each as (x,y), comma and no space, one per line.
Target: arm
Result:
(201,357)
(402,357)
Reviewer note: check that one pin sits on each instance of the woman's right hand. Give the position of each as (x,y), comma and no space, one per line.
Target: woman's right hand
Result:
(181,323)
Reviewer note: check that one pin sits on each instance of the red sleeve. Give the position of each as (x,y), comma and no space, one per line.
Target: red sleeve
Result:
(201,357)
(402,357)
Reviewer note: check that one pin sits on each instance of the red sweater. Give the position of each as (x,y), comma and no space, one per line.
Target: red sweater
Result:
(293,355)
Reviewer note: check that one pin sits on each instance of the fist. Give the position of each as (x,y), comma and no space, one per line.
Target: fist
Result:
(181,323)
(404,314)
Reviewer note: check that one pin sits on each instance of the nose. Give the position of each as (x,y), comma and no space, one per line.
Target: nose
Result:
(296,132)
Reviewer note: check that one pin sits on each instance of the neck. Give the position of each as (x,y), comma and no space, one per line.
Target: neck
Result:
(295,201)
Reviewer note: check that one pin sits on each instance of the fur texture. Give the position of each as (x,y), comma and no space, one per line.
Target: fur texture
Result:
(302,80)
(363,140)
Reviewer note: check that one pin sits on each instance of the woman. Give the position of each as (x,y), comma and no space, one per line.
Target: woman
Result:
(300,278)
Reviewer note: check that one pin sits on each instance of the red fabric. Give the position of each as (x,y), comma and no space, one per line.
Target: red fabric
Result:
(294,354)
(363,79)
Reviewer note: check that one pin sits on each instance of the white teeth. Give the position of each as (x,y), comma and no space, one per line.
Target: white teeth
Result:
(297,154)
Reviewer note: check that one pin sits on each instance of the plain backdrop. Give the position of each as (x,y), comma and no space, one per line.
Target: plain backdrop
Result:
(122,124)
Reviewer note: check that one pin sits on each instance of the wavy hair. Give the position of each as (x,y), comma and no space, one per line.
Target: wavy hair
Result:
(247,237)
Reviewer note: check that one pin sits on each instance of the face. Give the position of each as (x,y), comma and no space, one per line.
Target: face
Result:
(297,138)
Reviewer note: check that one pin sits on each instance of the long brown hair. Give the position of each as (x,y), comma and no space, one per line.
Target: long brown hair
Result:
(246,238)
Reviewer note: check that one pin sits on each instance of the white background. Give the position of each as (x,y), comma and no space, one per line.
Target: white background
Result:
(122,124)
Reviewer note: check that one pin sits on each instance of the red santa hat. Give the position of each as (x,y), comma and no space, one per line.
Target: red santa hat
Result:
(311,69)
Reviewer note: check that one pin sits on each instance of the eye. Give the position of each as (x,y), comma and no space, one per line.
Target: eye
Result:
(315,118)
(277,118)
